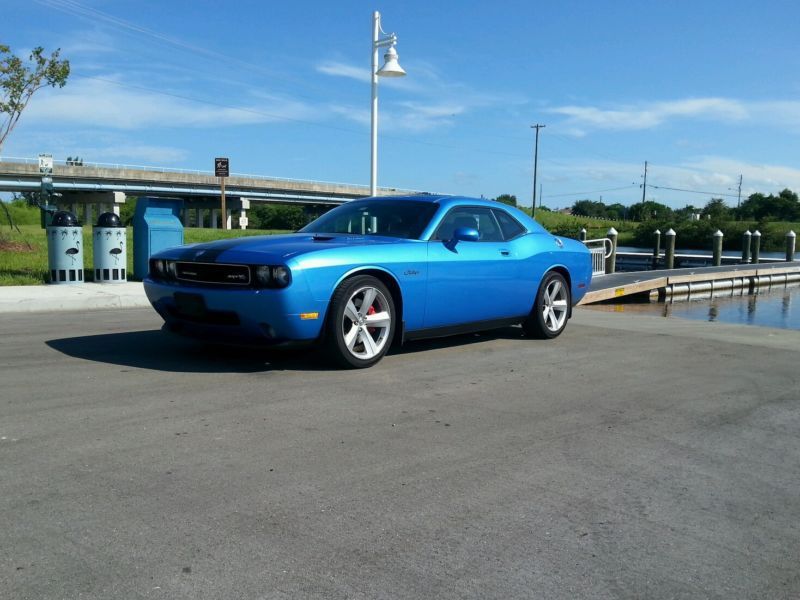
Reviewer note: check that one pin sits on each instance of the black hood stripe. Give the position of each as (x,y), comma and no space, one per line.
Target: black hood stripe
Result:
(208,254)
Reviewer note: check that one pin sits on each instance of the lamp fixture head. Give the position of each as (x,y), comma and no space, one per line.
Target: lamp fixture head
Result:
(391,68)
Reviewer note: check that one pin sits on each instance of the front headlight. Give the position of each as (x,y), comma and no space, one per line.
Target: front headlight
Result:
(157,268)
(263,276)
(269,276)
(281,276)
(172,271)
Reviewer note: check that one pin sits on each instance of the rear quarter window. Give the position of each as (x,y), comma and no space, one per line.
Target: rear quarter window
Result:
(510,227)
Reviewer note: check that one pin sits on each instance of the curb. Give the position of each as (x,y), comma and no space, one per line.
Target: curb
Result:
(71,297)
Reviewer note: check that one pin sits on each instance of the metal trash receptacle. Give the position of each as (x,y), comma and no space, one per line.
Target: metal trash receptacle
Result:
(110,246)
(156,225)
(64,248)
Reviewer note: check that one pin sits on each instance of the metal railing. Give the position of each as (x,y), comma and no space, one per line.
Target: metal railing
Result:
(155,169)
(600,250)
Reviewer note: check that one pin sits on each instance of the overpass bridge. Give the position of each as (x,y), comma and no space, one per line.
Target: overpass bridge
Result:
(99,187)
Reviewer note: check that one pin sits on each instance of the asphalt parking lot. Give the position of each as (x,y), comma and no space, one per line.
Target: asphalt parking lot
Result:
(634,457)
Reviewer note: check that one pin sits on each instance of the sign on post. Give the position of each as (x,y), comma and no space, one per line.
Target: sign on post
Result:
(221,170)
(221,167)
(45,164)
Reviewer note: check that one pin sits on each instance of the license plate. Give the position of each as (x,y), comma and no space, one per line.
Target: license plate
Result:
(191,305)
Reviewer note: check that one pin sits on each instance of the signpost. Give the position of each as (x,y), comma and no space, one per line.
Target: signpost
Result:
(221,170)
(46,164)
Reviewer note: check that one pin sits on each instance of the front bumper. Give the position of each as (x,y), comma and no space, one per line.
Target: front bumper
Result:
(239,316)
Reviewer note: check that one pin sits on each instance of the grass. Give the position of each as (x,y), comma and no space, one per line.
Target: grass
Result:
(23,256)
(570,226)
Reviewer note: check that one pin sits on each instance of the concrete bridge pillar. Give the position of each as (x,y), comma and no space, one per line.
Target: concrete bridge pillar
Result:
(214,218)
(198,218)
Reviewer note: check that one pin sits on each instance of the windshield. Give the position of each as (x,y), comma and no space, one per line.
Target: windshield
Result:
(393,218)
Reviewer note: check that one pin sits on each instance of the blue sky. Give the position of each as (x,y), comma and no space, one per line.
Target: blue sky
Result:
(704,91)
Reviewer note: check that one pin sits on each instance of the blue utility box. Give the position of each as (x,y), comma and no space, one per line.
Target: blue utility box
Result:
(156,225)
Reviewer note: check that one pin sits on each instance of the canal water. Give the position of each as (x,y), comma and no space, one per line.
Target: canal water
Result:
(779,307)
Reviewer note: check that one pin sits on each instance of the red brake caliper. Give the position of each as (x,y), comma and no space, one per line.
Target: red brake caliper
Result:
(371,311)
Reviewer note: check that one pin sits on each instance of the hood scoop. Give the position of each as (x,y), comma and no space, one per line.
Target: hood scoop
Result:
(317,237)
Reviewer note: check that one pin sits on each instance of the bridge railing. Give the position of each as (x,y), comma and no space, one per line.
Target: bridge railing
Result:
(600,250)
(100,165)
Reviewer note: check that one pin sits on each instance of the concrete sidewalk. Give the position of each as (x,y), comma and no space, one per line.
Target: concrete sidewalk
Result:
(81,296)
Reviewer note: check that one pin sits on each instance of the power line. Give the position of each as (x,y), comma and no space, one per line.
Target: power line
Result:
(626,187)
(714,194)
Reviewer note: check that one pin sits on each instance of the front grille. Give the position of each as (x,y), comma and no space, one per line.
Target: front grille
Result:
(213,273)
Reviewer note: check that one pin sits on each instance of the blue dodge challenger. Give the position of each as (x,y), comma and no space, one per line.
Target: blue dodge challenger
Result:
(374,271)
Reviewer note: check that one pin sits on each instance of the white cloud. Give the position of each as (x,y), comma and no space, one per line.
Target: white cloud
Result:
(404,116)
(580,119)
(339,69)
(650,115)
(714,175)
(103,103)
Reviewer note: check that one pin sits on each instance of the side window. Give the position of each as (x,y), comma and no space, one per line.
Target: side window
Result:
(473,217)
(508,225)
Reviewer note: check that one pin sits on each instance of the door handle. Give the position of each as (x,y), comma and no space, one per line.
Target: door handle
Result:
(504,252)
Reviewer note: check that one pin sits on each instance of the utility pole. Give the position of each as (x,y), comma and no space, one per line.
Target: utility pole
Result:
(537,127)
(644,185)
(739,201)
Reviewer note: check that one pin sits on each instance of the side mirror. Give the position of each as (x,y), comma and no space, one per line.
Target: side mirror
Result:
(466,234)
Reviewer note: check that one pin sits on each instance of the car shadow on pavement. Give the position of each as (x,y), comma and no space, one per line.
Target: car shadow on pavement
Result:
(504,333)
(159,351)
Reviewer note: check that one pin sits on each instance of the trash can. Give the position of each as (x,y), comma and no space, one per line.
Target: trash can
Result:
(110,258)
(64,248)
(156,225)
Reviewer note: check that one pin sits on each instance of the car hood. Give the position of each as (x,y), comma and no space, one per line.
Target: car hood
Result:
(270,248)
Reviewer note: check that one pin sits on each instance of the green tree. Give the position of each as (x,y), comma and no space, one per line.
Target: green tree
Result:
(276,216)
(648,211)
(616,211)
(716,210)
(686,212)
(783,207)
(589,208)
(509,199)
(19,81)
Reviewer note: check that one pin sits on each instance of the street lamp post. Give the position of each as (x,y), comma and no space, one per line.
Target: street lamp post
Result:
(390,68)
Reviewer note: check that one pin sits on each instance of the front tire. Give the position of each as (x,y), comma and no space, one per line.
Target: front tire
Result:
(551,309)
(361,322)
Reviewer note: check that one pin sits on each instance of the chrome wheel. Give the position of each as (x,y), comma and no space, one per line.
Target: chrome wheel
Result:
(555,305)
(366,322)
(550,312)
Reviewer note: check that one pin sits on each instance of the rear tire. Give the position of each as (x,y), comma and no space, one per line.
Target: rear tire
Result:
(361,322)
(551,308)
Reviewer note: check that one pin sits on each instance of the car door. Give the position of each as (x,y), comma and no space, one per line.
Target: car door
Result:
(471,281)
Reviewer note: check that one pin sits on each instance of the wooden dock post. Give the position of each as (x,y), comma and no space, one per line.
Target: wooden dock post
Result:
(746,246)
(756,246)
(716,246)
(657,248)
(669,258)
(790,240)
(611,261)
